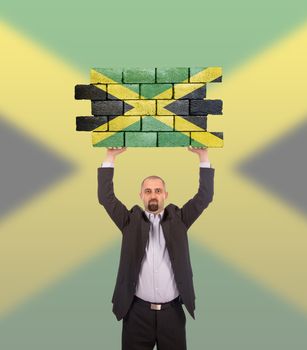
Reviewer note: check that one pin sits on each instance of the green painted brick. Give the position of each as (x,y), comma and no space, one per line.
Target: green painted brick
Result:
(172,139)
(139,75)
(150,123)
(116,140)
(172,75)
(195,70)
(140,139)
(133,127)
(152,90)
(115,74)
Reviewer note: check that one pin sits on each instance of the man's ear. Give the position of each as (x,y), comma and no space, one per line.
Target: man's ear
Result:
(166,194)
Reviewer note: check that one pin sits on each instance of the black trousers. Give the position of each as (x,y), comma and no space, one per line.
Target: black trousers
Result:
(142,328)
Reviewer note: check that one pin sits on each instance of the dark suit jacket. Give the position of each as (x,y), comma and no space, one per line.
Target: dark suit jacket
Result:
(135,225)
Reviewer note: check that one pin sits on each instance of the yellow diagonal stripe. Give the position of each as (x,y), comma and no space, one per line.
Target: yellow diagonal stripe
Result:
(63,226)
(249,227)
(60,228)
(206,75)
(119,91)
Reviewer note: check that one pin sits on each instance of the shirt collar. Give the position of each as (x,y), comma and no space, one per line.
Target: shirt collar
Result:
(148,213)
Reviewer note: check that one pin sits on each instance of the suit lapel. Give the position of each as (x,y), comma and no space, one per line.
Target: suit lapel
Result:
(166,226)
(145,226)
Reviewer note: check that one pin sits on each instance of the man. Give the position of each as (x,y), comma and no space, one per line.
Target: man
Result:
(155,275)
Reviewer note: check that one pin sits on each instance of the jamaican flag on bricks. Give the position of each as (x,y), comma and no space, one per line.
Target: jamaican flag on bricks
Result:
(150,107)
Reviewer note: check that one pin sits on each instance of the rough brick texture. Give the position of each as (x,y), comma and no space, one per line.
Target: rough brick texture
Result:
(150,107)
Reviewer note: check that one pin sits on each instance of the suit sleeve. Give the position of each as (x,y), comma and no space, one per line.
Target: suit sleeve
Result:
(192,209)
(114,207)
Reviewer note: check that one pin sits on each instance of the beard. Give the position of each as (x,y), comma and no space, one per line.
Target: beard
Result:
(153,206)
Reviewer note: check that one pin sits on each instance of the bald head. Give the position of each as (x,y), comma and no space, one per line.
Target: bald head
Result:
(153,177)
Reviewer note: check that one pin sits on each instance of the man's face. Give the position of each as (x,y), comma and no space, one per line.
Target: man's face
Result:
(153,195)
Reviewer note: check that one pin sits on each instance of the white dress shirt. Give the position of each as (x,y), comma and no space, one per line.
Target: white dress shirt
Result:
(156,281)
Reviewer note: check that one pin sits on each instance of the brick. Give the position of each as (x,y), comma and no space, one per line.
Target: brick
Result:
(106,75)
(190,91)
(90,92)
(107,107)
(157,123)
(204,107)
(172,75)
(178,107)
(123,91)
(150,107)
(141,107)
(107,139)
(205,74)
(207,139)
(139,75)
(190,123)
(91,123)
(173,139)
(120,123)
(140,139)
(152,90)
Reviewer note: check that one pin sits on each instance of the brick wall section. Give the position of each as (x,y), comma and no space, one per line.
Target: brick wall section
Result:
(150,107)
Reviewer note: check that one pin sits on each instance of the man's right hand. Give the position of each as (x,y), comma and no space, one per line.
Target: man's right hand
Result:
(112,152)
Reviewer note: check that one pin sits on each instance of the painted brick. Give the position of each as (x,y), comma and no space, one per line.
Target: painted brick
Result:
(173,139)
(106,75)
(204,107)
(207,139)
(128,91)
(121,123)
(139,75)
(157,123)
(107,107)
(190,91)
(90,92)
(152,90)
(91,123)
(140,139)
(171,107)
(141,107)
(150,107)
(172,75)
(205,74)
(107,139)
(190,123)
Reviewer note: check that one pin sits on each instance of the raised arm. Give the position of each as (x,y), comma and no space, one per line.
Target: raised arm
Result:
(192,209)
(114,207)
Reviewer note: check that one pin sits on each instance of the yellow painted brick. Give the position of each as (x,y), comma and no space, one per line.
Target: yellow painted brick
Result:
(160,107)
(121,123)
(97,77)
(181,90)
(207,139)
(142,107)
(206,75)
(122,92)
(182,124)
(99,136)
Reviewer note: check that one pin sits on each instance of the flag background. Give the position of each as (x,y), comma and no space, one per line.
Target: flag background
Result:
(59,250)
